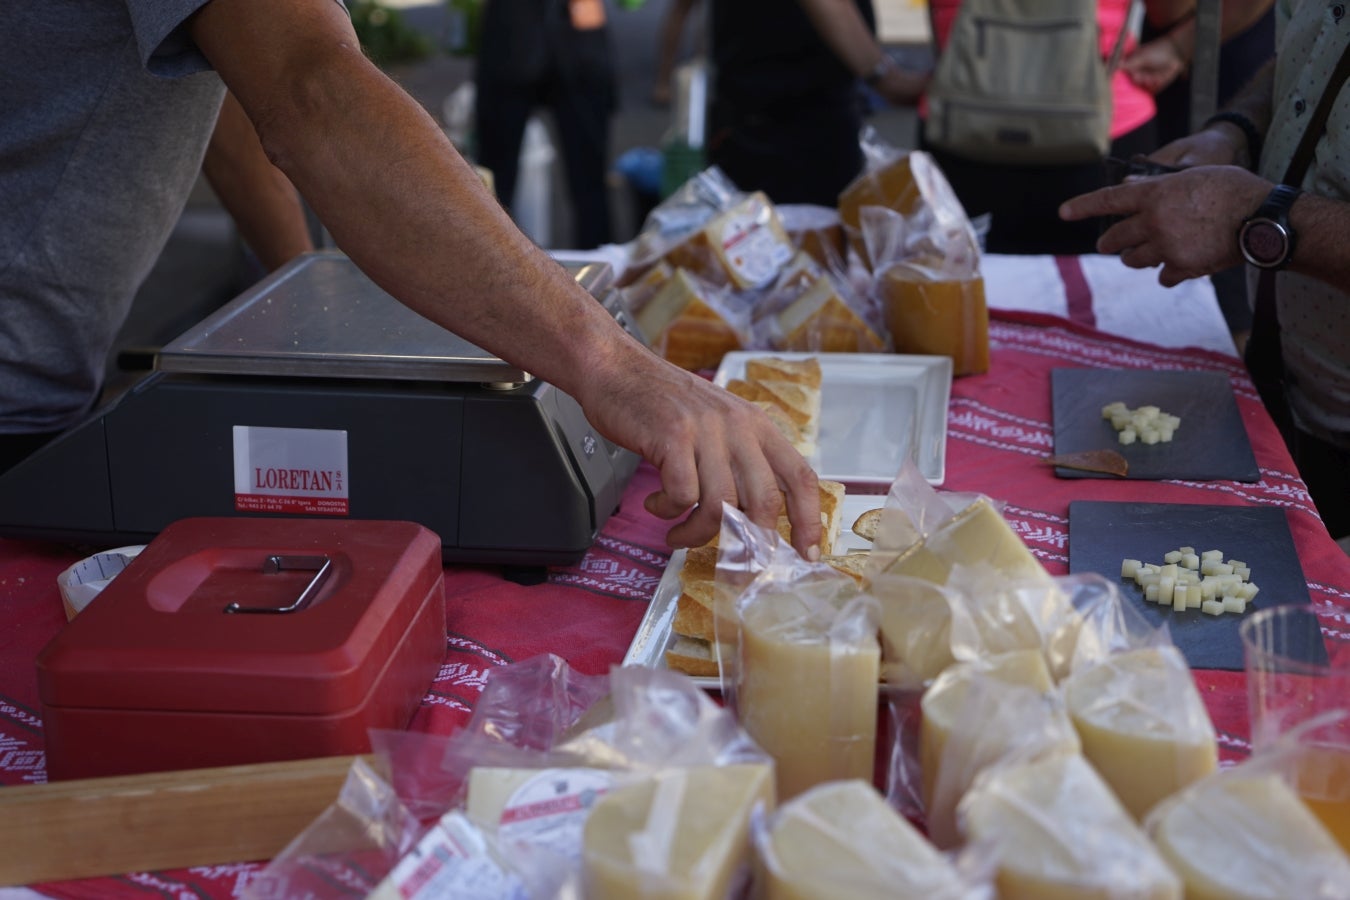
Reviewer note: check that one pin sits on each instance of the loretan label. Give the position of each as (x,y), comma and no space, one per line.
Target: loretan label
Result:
(290,470)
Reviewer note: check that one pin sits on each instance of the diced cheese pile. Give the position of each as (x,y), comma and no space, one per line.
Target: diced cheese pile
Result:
(1187,580)
(1146,424)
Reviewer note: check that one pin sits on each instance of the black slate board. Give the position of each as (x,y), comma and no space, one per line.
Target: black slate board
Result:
(1210,445)
(1101,534)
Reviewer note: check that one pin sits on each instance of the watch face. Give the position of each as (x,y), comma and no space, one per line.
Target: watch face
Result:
(1264,242)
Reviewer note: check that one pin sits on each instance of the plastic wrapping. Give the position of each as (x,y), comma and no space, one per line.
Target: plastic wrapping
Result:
(923,534)
(905,221)
(841,839)
(514,790)
(1058,832)
(348,849)
(974,715)
(817,231)
(692,322)
(691,206)
(1244,833)
(743,247)
(1143,724)
(810,308)
(915,626)
(800,659)
(683,833)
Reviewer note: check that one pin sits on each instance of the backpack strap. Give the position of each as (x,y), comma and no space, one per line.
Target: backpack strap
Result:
(1118,50)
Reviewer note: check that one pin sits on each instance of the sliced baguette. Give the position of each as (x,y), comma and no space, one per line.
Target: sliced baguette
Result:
(773,368)
(692,657)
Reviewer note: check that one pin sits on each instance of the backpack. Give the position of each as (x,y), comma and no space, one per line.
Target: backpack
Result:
(1023,82)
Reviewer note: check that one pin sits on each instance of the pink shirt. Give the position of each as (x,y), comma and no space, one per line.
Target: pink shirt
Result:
(1132,106)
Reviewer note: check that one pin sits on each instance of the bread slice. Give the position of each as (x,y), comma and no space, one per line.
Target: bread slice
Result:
(692,657)
(800,402)
(786,427)
(700,564)
(693,618)
(866,525)
(754,392)
(850,564)
(805,372)
(831,511)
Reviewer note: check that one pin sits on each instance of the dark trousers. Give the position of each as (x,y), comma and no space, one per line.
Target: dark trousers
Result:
(581,113)
(805,155)
(1023,201)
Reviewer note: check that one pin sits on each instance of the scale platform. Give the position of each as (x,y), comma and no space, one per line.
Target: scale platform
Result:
(315,393)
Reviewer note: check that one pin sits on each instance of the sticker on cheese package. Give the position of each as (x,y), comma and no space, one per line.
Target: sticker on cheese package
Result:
(454,859)
(755,250)
(549,810)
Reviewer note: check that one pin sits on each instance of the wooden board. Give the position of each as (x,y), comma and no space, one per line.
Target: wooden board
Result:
(1101,534)
(162,820)
(1210,445)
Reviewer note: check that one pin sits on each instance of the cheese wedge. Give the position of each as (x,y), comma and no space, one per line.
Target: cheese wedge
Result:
(808,688)
(1058,832)
(820,320)
(1247,836)
(744,247)
(841,839)
(947,317)
(975,535)
(683,835)
(976,713)
(1143,725)
(681,324)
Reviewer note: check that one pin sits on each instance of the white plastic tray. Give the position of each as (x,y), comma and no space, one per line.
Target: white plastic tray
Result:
(654,636)
(875,409)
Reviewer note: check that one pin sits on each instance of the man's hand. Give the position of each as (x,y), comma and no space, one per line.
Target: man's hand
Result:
(1186,222)
(1221,144)
(709,445)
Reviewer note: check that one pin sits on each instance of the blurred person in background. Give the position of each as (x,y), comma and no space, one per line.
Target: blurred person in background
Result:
(1196,221)
(786,107)
(669,40)
(554,55)
(1022,200)
(1161,65)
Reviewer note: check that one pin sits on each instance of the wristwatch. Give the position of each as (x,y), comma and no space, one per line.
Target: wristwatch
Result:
(1266,239)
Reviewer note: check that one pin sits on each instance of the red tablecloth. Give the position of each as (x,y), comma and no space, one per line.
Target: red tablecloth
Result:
(999,429)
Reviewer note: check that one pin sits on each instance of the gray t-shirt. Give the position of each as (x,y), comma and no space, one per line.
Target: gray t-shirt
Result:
(1314,316)
(106,109)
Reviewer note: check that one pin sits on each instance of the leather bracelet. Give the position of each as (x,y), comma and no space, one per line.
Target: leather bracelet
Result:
(1248,128)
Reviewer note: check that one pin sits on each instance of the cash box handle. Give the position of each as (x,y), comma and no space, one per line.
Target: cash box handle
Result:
(320,565)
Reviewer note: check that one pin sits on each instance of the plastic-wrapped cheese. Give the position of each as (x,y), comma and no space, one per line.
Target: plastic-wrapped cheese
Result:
(841,839)
(544,808)
(929,313)
(683,835)
(819,319)
(1058,832)
(686,325)
(1240,836)
(975,535)
(744,247)
(1143,724)
(976,713)
(808,687)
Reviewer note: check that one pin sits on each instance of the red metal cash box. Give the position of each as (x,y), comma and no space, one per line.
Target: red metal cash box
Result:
(238,640)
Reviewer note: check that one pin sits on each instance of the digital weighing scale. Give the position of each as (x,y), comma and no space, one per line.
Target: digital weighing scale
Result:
(315,393)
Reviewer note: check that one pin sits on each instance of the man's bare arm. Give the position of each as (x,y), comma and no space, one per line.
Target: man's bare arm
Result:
(262,201)
(413,215)
(844,31)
